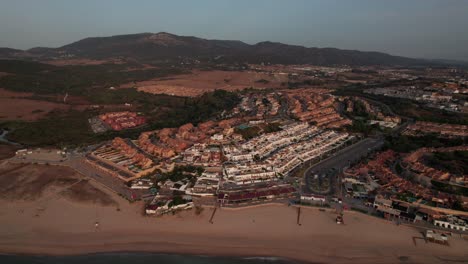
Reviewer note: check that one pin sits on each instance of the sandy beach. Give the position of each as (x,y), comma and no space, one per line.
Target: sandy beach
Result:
(62,222)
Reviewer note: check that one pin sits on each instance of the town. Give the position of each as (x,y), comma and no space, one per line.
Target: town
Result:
(326,148)
(230,132)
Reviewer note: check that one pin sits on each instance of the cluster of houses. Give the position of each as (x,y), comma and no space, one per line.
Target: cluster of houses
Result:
(122,120)
(313,147)
(380,171)
(121,158)
(315,107)
(396,198)
(374,111)
(161,205)
(394,209)
(414,162)
(430,96)
(236,170)
(261,105)
(116,121)
(420,128)
(276,154)
(239,171)
(201,154)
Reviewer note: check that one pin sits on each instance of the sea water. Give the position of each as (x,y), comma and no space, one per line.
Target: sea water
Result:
(138,258)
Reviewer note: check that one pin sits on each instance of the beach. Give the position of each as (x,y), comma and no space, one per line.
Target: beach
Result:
(61,222)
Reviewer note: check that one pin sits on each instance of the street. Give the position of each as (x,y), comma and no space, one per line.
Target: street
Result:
(343,158)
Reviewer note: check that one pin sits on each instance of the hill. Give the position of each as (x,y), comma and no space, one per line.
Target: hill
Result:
(149,47)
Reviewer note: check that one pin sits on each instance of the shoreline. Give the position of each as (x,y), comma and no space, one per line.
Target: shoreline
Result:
(223,244)
(156,253)
(53,223)
(137,248)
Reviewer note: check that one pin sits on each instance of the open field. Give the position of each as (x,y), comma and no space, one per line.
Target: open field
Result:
(7,151)
(28,182)
(200,82)
(271,230)
(82,61)
(14,106)
(25,109)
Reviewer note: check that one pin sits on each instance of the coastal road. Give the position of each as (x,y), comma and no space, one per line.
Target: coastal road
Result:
(344,158)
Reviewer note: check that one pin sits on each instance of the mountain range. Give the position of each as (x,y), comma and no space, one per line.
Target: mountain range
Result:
(151,47)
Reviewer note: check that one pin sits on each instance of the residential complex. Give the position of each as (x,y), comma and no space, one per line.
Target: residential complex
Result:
(116,121)
(420,128)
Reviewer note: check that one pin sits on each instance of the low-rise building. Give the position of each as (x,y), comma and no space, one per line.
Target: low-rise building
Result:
(312,198)
(452,222)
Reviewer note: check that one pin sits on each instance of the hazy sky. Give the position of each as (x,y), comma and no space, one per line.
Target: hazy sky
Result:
(416,28)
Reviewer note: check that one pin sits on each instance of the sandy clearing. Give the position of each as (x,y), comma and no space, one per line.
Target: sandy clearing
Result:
(29,182)
(200,82)
(26,109)
(17,105)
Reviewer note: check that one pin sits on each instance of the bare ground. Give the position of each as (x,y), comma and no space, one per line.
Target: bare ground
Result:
(18,105)
(29,182)
(200,82)
(65,62)
(15,105)
(86,192)
(7,151)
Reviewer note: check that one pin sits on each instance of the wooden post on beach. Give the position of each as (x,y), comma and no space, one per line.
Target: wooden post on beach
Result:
(299,216)
(212,215)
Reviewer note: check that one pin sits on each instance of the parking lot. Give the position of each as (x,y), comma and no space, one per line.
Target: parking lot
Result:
(343,158)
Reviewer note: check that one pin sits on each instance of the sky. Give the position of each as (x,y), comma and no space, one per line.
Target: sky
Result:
(413,28)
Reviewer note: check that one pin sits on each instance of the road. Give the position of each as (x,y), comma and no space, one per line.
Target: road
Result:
(344,158)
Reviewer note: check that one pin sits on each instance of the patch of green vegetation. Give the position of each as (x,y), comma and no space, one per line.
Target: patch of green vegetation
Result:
(24,67)
(398,168)
(308,82)
(406,197)
(457,205)
(448,188)
(454,162)
(271,127)
(40,78)
(176,201)
(59,129)
(262,81)
(361,126)
(359,210)
(360,110)
(402,143)
(182,172)
(249,132)
(201,108)
(405,107)
(71,128)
